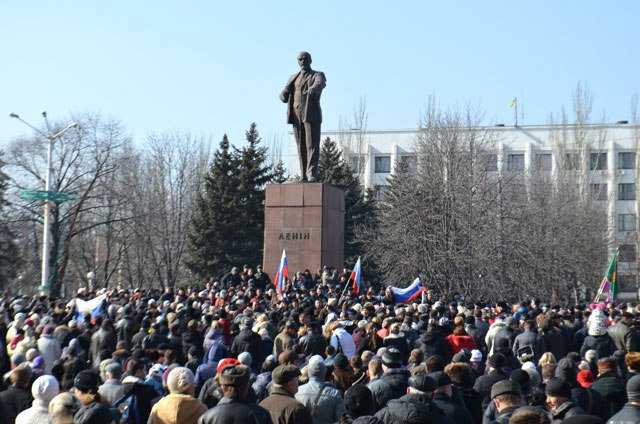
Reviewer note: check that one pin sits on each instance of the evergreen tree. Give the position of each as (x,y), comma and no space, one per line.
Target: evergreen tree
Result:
(279,173)
(252,176)
(212,242)
(333,169)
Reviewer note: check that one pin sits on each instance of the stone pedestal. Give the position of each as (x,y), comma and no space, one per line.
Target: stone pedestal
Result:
(307,220)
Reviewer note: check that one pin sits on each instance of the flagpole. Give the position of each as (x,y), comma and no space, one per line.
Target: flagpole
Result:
(516,111)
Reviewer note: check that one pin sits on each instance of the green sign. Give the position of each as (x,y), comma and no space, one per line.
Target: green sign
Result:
(54,196)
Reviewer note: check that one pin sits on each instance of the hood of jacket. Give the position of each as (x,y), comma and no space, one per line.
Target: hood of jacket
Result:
(178,408)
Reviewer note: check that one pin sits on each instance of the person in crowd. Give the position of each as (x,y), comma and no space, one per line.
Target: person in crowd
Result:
(17,397)
(393,382)
(325,403)
(233,407)
(43,390)
(93,411)
(63,407)
(282,404)
(507,397)
(630,412)
(559,400)
(111,390)
(179,406)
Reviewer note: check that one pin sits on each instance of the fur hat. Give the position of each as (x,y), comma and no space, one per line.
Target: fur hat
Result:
(235,375)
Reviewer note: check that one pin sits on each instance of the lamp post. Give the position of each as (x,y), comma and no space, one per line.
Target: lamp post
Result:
(51,137)
(91,276)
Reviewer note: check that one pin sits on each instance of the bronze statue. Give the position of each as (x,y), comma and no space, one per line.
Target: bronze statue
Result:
(302,93)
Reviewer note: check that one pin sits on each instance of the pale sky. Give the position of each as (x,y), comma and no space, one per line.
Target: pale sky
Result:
(212,67)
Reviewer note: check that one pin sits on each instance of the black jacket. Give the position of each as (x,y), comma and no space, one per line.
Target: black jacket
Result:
(235,411)
(144,395)
(433,343)
(248,341)
(613,390)
(455,412)
(313,344)
(14,400)
(93,413)
(410,409)
(602,344)
(484,383)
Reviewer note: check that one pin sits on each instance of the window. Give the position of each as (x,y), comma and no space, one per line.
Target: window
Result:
(598,161)
(380,193)
(515,162)
(543,162)
(628,283)
(627,191)
(382,164)
(626,160)
(356,163)
(489,162)
(410,162)
(572,162)
(599,191)
(627,253)
(627,222)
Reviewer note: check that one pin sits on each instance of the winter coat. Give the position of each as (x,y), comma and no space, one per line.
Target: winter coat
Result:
(50,350)
(143,393)
(613,390)
(111,390)
(342,341)
(14,400)
(366,419)
(203,373)
(330,404)
(248,341)
(235,411)
(177,409)
(392,385)
(604,345)
(285,409)
(566,410)
(313,344)
(126,328)
(192,338)
(433,343)
(473,402)
(399,342)
(457,343)
(260,385)
(38,413)
(93,413)
(103,339)
(484,383)
(529,338)
(213,337)
(454,411)
(629,414)
(412,409)
(624,337)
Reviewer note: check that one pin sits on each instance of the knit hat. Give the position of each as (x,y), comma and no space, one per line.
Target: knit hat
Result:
(531,369)
(558,387)
(86,380)
(358,401)
(392,358)
(340,361)
(464,355)
(597,325)
(633,389)
(180,379)
(235,375)
(45,388)
(245,358)
(37,363)
(497,360)
(522,378)
(225,363)
(47,330)
(585,378)
(476,355)
(568,370)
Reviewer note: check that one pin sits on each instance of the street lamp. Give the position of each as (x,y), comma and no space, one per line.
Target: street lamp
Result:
(91,276)
(51,137)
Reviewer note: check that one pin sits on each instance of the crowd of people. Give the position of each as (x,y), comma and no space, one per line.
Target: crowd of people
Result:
(235,351)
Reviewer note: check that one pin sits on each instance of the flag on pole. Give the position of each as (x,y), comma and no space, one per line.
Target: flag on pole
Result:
(610,283)
(283,272)
(407,295)
(355,276)
(513,102)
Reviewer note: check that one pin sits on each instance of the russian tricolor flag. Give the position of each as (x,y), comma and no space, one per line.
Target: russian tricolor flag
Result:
(408,294)
(355,276)
(283,272)
(95,306)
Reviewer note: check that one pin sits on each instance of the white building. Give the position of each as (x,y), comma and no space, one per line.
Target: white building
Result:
(611,158)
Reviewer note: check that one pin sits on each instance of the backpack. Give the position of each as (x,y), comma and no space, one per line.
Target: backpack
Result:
(129,411)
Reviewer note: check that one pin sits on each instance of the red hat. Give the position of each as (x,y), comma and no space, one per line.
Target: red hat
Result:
(226,362)
(585,378)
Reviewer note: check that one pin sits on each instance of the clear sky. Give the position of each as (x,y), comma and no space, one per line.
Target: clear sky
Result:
(213,67)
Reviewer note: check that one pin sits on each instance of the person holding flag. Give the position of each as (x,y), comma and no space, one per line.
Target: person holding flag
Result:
(356,276)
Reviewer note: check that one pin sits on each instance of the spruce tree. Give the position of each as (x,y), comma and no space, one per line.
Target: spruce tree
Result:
(213,247)
(252,175)
(333,169)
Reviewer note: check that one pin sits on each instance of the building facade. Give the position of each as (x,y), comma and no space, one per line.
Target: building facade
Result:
(606,153)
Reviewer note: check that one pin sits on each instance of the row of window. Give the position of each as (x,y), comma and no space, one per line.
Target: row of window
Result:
(626,191)
(515,162)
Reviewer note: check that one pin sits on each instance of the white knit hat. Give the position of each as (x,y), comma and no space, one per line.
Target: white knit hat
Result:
(180,379)
(45,388)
